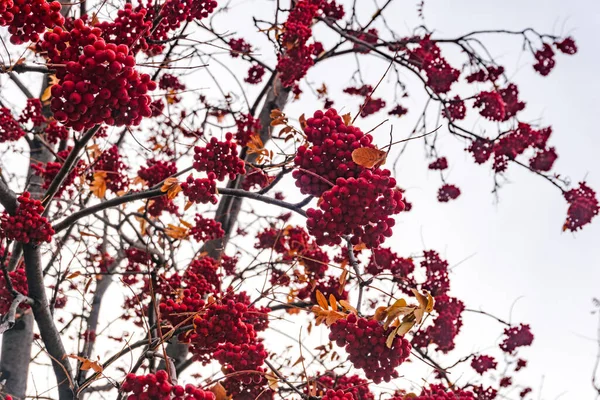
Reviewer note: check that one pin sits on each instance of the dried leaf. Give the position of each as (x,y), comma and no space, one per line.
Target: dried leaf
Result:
(347,307)
(74,275)
(98,186)
(219,392)
(87,364)
(347,119)
(369,157)
(46,95)
(177,232)
(302,120)
(333,302)
(273,381)
(360,246)
(322,300)
(172,187)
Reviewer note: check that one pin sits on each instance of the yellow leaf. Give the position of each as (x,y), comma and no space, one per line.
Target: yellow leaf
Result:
(273,381)
(390,339)
(94,19)
(369,157)
(176,232)
(360,246)
(87,364)
(346,306)
(185,223)
(347,119)
(343,279)
(98,185)
(322,300)
(219,392)
(94,151)
(47,94)
(405,327)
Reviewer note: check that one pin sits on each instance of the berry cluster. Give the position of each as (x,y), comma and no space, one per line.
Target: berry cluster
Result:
(567,46)
(365,343)
(19,283)
(111,163)
(337,395)
(515,142)
(398,111)
(130,27)
(439,392)
(371,106)
(10,130)
(491,104)
(333,10)
(239,47)
(256,178)
(49,171)
(221,158)
(544,60)
(201,190)
(481,150)
(436,270)
(439,164)
(157,171)
(448,192)
(352,384)
(370,37)
(98,82)
(329,155)
(483,363)
(27,19)
(245,357)
(56,132)
(583,206)
(181,310)
(206,229)
(543,160)
(247,126)
(361,207)
(384,259)
(255,74)
(516,336)
(490,73)
(440,74)
(158,387)
(32,113)
(27,225)
(446,325)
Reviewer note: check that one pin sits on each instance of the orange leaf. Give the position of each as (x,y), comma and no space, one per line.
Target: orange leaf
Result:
(98,186)
(219,392)
(87,364)
(369,157)
(47,94)
(347,119)
(176,232)
(322,300)
(360,246)
(74,275)
(273,381)
(302,120)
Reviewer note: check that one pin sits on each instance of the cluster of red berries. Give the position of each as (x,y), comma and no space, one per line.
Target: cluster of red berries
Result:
(370,37)
(181,310)
(384,259)
(516,336)
(510,97)
(364,90)
(491,104)
(158,386)
(202,274)
(247,126)
(448,192)
(544,60)
(130,27)
(439,164)
(157,171)
(371,106)
(365,343)
(505,382)
(436,270)
(398,111)
(32,113)
(255,74)
(583,207)
(544,159)
(329,155)
(19,283)
(515,142)
(525,392)
(56,132)
(256,178)
(201,190)
(27,225)
(221,158)
(111,163)
(352,384)
(98,82)
(333,10)
(439,392)
(206,229)
(361,207)
(168,81)
(481,149)
(490,73)
(239,47)
(135,260)
(566,46)
(446,325)
(428,57)
(49,171)
(484,393)
(337,395)
(27,19)
(483,363)
(10,130)
(236,361)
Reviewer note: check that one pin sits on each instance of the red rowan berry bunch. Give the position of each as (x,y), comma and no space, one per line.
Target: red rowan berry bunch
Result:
(98,83)
(384,259)
(365,343)
(222,322)
(157,171)
(255,74)
(516,336)
(10,130)
(483,393)
(56,132)
(158,205)
(398,111)
(329,155)
(328,286)
(162,286)
(543,160)
(516,142)
(446,325)
(525,392)
(455,109)
(333,10)
(135,260)
(181,310)
(440,74)
(583,207)
(492,106)
(49,171)
(448,192)
(481,149)
(256,178)
(370,37)
(271,238)
(27,225)
(371,106)
(364,90)
(32,113)
(256,316)
(247,126)
(168,81)
(520,364)
(314,260)
(158,386)
(27,19)
(221,158)
(436,270)
(206,229)
(505,382)
(239,47)
(512,104)
(352,384)
(19,283)
(200,190)
(130,27)
(439,392)
(111,163)
(483,363)
(544,60)
(360,207)
(567,46)
(490,73)
(439,164)
(337,395)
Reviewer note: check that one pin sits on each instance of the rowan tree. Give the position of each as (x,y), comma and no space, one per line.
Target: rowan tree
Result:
(156,167)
